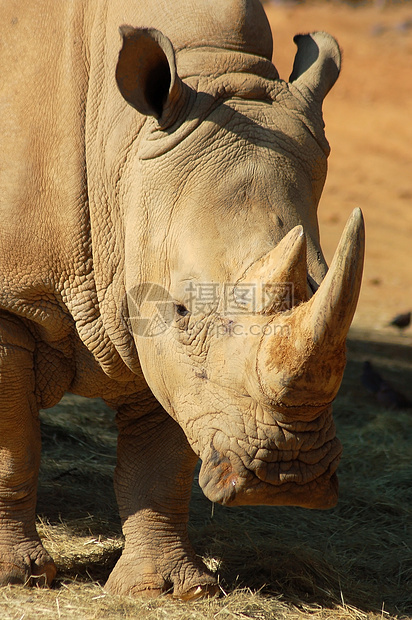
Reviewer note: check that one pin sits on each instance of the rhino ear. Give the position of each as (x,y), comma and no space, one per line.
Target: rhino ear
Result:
(146,70)
(317,63)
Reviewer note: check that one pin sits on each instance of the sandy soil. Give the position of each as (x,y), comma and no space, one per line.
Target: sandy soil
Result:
(368,116)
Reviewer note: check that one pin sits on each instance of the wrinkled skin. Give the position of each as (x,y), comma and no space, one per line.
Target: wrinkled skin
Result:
(171,158)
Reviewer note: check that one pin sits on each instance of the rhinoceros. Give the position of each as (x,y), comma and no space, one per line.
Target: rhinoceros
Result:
(159,248)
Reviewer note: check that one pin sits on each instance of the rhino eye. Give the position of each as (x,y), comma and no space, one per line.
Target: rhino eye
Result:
(181,310)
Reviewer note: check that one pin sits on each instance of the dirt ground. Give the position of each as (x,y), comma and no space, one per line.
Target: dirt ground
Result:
(368,116)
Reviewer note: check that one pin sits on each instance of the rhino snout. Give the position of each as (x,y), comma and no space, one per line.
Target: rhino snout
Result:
(291,468)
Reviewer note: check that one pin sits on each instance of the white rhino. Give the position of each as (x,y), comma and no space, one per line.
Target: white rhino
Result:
(159,248)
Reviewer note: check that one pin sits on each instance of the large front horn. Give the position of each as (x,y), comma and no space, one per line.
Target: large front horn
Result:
(302,359)
(333,306)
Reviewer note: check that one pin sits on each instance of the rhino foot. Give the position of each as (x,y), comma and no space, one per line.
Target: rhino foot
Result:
(136,577)
(27,564)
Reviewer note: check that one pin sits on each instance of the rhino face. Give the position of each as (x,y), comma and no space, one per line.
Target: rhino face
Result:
(240,334)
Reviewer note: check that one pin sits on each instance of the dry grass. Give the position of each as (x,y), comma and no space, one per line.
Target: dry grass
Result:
(353,562)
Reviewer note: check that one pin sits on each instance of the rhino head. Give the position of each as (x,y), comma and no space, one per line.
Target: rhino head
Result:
(239,326)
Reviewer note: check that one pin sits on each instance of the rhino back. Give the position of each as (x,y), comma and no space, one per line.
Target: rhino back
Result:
(226,24)
(43,232)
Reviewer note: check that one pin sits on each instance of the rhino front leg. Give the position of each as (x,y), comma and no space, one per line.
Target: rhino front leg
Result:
(23,559)
(153,481)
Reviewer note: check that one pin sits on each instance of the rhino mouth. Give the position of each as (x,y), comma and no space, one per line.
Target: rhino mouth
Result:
(308,481)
